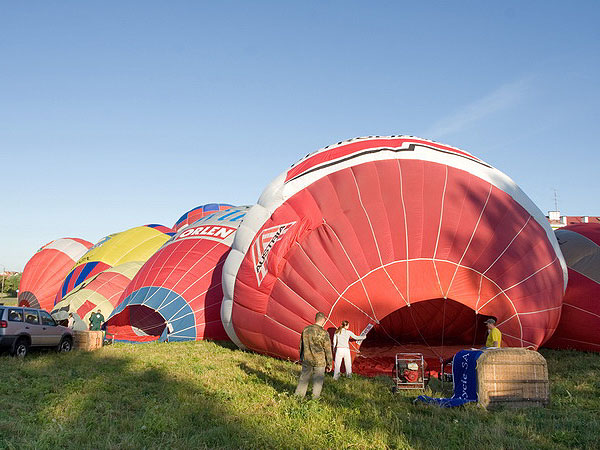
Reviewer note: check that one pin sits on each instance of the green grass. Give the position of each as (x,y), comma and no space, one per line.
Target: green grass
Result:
(206,395)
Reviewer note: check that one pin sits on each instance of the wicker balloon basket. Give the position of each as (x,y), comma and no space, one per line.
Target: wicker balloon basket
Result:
(512,377)
(87,340)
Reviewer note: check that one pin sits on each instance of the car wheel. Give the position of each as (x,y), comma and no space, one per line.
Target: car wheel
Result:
(21,348)
(66,344)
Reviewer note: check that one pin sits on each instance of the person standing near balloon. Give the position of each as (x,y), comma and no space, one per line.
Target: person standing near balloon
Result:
(315,355)
(494,337)
(96,321)
(341,344)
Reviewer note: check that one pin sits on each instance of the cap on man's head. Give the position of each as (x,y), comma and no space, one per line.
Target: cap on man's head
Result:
(492,321)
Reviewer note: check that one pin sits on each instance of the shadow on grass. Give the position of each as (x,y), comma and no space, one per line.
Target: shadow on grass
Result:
(202,395)
(92,400)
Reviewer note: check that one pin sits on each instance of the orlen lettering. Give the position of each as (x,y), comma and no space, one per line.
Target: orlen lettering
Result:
(215,231)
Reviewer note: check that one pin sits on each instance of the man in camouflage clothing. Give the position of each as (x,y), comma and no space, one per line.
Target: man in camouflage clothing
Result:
(315,355)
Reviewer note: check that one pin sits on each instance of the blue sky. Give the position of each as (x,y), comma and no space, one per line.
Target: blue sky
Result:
(116,114)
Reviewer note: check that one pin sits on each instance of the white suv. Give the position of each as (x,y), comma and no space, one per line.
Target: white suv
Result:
(22,328)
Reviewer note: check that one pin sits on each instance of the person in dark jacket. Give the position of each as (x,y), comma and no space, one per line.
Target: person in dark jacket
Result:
(315,355)
(96,321)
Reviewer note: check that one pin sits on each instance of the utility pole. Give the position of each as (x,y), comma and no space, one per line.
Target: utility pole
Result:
(555,200)
(3,277)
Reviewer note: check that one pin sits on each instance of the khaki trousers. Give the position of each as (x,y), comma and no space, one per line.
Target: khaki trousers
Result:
(318,375)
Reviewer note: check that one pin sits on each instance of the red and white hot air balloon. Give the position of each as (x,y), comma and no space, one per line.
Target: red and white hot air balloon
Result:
(422,240)
(44,273)
(579,326)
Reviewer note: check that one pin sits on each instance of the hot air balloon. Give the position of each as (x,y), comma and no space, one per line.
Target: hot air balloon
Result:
(46,270)
(102,291)
(421,240)
(579,326)
(198,213)
(135,244)
(179,288)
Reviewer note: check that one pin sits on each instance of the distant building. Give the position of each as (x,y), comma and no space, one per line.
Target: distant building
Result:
(8,273)
(558,221)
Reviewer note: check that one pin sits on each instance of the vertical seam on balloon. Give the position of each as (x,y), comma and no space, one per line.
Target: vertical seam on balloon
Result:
(305,301)
(372,234)
(315,266)
(351,263)
(294,292)
(170,318)
(205,307)
(470,240)
(508,246)
(503,291)
(301,298)
(479,292)
(514,285)
(214,286)
(367,216)
(343,248)
(439,231)
(156,276)
(376,243)
(210,270)
(139,284)
(405,232)
(162,285)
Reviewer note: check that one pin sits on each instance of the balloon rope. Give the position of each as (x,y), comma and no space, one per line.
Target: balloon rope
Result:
(443,326)
(475,332)
(420,334)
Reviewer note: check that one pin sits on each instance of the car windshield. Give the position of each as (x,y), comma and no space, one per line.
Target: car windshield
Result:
(47,319)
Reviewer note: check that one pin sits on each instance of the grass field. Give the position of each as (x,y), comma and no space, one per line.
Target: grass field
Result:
(206,395)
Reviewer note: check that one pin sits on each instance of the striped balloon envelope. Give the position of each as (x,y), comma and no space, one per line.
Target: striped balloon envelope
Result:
(198,213)
(421,240)
(46,270)
(135,244)
(100,292)
(179,288)
(579,326)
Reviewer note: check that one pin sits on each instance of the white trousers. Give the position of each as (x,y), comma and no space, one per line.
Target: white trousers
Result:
(342,353)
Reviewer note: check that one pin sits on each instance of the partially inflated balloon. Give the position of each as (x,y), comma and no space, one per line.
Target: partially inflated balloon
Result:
(180,286)
(46,270)
(198,213)
(420,239)
(135,244)
(101,292)
(579,326)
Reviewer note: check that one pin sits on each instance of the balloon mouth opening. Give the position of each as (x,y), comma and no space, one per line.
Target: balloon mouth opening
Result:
(28,300)
(436,328)
(146,321)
